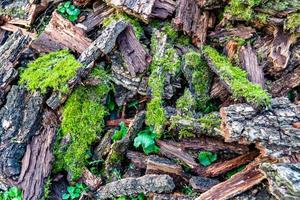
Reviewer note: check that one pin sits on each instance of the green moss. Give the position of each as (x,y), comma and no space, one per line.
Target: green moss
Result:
(138,29)
(170,31)
(184,40)
(185,133)
(293,22)
(47,189)
(262,17)
(82,118)
(50,71)
(210,121)
(242,9)
(237,79)
(200,77)
(186,103)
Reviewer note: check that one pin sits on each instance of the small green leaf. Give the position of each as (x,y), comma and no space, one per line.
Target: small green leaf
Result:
(72,18)
(146,139)
(70,189)
(206,158)
(65,196)
(120,134)
(67,4)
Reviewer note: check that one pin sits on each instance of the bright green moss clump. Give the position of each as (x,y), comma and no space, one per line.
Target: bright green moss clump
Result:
(237,80)
(293,22)
(242,9)
(50,71)
(82,118)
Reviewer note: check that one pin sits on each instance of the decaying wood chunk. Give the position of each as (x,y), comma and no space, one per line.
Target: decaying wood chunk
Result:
(102,149)
(60,32)
(219,168)
(92,181)
(160,165)
(235,185)
(96,18)
(9,54)
(163,9)
(20,120)
(284,179)
(102,45)
(137,158)
(38,158)
(202,184)
(218,90)
(250,64)
(212,144)
(211,4)
(270,129)
(135,56)
(280,51)
(175,196)
(139,8)
(129,186)
(287,82)
(192,21)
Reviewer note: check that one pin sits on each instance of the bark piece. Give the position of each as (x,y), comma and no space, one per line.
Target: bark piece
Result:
(219,168)
(211,4)
(139,8)
(38,158)
(92,181)
(218,90)
(270,129)
(102,45)
(233,186)
(129,186)
(103,148)
(156,164)
(20,120)
(191,21)
(60,32)
(137,158)
(96,18)
(250,64)
(136,58)
(286,83)
(212,144)
(9,54)
(162,9)
(202,184)
(175,196)
(283,179)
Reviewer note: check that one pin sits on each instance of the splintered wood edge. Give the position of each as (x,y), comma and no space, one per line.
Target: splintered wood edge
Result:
(237,184)
(224,129)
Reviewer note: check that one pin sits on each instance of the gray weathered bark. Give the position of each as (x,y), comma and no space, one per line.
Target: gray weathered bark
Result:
(271,129)
(129,186)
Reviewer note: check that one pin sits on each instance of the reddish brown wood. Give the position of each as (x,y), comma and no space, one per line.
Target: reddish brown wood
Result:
(92,181)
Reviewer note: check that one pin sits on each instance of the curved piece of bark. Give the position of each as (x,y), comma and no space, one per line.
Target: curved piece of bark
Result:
(38,158)
(91,180)
(20,121)
(192,21)
(60,32)
(103,148)
(135,56)
(102,45)
(202,184)
(129,186)
(233,186)
(250,64)
(162,9)
(286,83)
(218,90)
(9,54)
(138,8)
(283,179)
(270,129)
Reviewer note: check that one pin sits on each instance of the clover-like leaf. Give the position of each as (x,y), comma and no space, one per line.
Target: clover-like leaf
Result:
(206,158)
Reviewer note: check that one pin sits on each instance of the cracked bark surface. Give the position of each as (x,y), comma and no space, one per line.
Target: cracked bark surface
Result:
(20,121)
(9,54)
(129,186)
(270,129)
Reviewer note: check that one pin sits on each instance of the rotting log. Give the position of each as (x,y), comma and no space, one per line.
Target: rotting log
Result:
(135,56)
(192,21)
(202,184)
(96,18)
(237,184)
(283,179)
(9,55)
(250,64)
(38,158)
(60,32)
(130,186)
(219,168)
(287,82)
(102,45)
(20,120)
(270,129)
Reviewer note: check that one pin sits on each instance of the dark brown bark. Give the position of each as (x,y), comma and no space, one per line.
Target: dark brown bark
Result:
(92,181)
(233,186)
(202,184)
(175,196)
(60,32)
(137,158)
(192,21)
(135,56)
(38,158)
(211,4)
(250,64)
(162,9)
(218,90)
(103,148)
